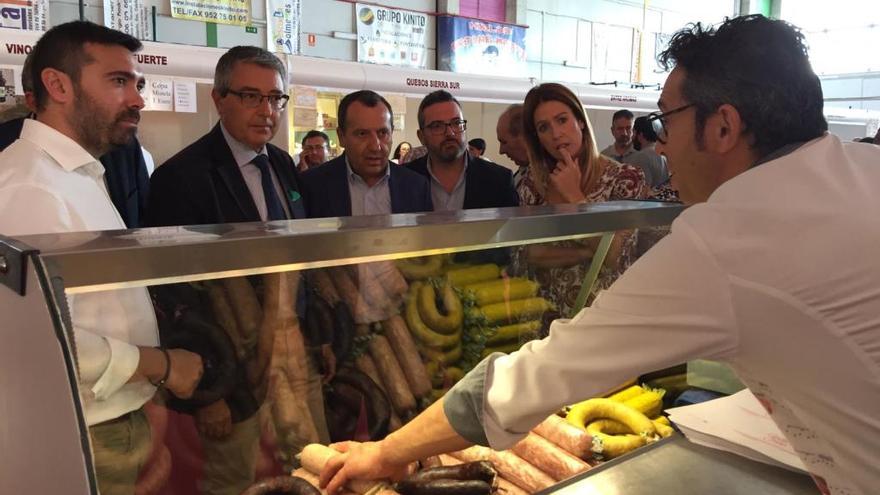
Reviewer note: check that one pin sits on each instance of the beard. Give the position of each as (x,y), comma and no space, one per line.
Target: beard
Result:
(446,152)
(99,129)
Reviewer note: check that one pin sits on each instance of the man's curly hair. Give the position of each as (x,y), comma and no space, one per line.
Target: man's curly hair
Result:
(758,65)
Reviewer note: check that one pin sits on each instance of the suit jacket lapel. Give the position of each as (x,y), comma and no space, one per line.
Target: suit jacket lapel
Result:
(395,189)
(340,202)
(231,176)
(286,175)
(471,185)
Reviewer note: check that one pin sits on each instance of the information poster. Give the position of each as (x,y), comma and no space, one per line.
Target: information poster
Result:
(391,36)
(129,16)
(473,46)
(235,12)
(30,15)
(283,26)
(159,95)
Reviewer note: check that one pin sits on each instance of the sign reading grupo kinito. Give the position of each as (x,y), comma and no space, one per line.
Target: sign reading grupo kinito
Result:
(235,12)
(391,36)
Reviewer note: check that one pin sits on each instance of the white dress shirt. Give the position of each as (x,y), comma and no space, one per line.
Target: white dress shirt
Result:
(777,274)
(369,200)
(448,201)
(244,157)
(49,183)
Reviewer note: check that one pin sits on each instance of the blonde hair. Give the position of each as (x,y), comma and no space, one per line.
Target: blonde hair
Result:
(589,160)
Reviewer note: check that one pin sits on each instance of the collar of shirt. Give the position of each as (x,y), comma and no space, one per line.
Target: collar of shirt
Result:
(461,178)
(354,178)
(780,152)
(64,150)
(243,154)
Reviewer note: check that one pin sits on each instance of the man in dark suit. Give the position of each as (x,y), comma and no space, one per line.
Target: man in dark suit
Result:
(233,174)
(458,180)
(362,181)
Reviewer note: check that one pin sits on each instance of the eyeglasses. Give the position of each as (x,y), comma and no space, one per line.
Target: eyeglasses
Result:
(437,127)
(658,121)
(252,99)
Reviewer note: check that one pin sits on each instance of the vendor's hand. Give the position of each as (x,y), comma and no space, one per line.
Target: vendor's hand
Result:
(364,461)
(214,420)
(329,359)
(566,179)
(185,372)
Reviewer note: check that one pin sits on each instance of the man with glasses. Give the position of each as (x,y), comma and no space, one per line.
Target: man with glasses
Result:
(363,181)
(458,179)
(773,269)
(314,150)
(233,174)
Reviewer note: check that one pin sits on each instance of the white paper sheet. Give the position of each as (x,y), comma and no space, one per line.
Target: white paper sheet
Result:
(737,424)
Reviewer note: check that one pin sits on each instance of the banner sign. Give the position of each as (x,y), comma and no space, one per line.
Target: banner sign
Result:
(235,12)
(392,36)
(283,26)
(129,16)
(473,46)
(30,15)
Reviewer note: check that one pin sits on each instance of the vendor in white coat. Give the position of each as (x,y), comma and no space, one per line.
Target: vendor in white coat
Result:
(773,270)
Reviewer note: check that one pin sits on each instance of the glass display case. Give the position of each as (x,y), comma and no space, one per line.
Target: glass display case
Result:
(396,308)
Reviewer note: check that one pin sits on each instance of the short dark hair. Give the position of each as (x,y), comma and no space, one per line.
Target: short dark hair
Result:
(758,65)
(365,97)
(246,55)
(439,96)
(478,143)
(314,133)
(622,114)
(63,48)
(642,126)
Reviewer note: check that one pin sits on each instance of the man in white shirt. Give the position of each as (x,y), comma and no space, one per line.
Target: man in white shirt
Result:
(87,92)
(511,141)
(773,270)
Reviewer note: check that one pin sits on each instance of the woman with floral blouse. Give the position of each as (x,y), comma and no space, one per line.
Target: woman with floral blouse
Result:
(566,167)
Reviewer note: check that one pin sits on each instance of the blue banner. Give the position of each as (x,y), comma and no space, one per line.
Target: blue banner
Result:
(473,46)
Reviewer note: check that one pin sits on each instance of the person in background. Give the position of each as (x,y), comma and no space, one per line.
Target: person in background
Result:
(360,181)
(458,179)
(622,131)
(646,158)
(476,147)
(565,167)
(753,274)
(86,96)
(233,174)
(314,150)
(511,142)
(400,151)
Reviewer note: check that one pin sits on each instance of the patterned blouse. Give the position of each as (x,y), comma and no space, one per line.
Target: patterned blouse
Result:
(561,285)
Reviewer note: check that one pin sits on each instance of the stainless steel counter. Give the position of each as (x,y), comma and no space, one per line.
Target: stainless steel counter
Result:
(675,466)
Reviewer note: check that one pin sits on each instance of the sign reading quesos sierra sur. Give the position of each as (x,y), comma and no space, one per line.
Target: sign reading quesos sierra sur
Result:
(235,12)
(391,36)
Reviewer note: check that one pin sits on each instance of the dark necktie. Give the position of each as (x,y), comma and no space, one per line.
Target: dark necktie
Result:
(274,210)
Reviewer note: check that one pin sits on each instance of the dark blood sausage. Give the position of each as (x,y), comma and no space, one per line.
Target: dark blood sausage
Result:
(444,487)
(377,404)
(480,471)
(279,485)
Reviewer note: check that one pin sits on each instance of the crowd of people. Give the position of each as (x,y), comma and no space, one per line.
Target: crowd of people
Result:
(771,271)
